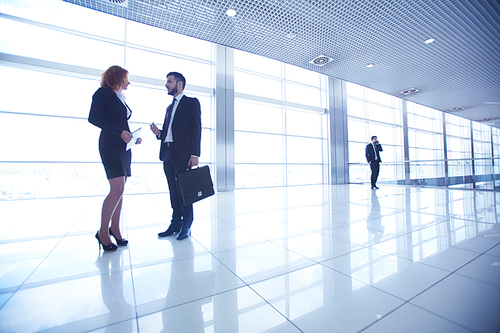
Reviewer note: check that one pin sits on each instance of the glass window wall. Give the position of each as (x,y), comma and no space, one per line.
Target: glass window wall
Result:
(52,142)
(273,139)
(481,135)
(373,113)
(495,134)
(458,144)
(425,142)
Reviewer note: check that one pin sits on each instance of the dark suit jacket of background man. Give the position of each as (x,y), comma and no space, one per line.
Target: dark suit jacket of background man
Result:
(370,153)
(374,163)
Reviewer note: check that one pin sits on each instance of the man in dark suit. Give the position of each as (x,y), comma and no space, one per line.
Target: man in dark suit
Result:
(373,157)
(180,139)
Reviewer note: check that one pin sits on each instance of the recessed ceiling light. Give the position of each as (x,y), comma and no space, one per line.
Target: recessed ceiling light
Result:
(370,65)
(409,91)
(430,40)
(489,121)
(321,60)
(491,102)
(231,12)
(458,108)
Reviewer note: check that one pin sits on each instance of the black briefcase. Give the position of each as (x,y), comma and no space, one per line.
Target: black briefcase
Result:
(194,185)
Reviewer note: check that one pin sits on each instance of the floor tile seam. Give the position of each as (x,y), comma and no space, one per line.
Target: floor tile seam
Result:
(7,300)
(478,280)
(473,278)
(132,281)
(263,241)
(37,284)
(432,285)
(353,278)
(383,317)
(473,221)
(68,234)
(263,279)
(281,238)
(213,255)
(415,210)
(406,303)
(363,219)
(304,257)
(491,255)
(164,261)
(145,226)
(22,260)
(368,264)
(453,247)
(275,309)
(446,188)
(438,315)
(363,282)
(152,263)
(454,271)
(357,244)
(457,246)
(38,238)
(143,313)
(479,254)
(34,270)
(266,278)
(75,325)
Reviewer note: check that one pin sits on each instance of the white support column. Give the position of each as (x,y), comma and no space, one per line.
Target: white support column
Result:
(339,143)
(224,119)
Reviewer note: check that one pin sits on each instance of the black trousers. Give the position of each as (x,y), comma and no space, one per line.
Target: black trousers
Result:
(182,216)
(375,167)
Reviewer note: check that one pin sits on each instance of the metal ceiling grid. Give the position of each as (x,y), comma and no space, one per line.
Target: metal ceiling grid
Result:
(461,68)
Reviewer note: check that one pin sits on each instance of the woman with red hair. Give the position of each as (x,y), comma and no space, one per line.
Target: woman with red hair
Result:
(110,113)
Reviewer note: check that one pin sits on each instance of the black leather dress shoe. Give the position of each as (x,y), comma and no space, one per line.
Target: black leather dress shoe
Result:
(184,233)
(169,232)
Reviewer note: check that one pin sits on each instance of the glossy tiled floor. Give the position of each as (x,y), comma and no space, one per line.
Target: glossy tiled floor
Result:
(300,259)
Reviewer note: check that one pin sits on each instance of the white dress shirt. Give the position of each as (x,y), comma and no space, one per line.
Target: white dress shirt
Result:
(122,98)
(169,137)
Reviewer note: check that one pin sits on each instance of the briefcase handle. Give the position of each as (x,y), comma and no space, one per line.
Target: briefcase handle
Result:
(194,167)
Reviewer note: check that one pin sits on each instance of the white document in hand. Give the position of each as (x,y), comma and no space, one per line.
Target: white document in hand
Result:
(136,135)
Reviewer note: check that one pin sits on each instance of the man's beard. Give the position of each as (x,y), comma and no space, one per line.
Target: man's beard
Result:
(173,91)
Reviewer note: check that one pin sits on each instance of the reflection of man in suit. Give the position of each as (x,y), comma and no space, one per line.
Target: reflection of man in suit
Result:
(182,313)
(180,149)
(373,157)
(374,221)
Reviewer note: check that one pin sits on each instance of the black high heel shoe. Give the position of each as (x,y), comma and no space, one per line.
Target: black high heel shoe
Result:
(111,247)
(120,242)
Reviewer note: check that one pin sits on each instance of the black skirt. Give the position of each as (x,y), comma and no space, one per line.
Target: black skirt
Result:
(116,159)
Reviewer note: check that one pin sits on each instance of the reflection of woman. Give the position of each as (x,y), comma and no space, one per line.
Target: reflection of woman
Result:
(110,113)
(120,312)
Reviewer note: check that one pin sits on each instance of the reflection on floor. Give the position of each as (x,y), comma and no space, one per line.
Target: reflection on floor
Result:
(299,259)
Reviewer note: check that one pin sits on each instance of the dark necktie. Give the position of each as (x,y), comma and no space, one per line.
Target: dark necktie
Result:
(167,119)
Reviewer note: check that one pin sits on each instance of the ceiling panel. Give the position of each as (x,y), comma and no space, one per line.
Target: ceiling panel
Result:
(461,68)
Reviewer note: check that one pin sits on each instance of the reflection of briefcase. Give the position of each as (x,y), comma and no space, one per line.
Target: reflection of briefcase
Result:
(194,185)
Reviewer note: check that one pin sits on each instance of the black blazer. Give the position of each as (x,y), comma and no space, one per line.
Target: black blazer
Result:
(186,129)
(370,154)
(109,114)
